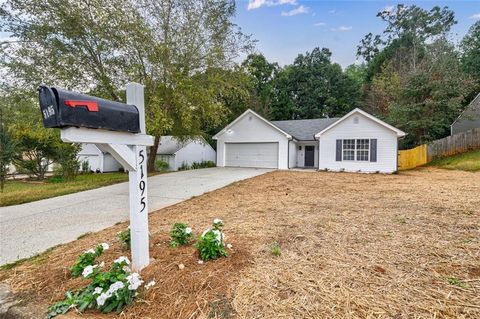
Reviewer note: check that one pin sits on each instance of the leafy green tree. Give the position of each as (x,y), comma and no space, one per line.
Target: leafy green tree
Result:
(429,99)
(35,149)
(470,47)
(262,74)
(168,46)
(412,27)
(357,72)
(414,79)
(66,157)
(7,149)
(314,87)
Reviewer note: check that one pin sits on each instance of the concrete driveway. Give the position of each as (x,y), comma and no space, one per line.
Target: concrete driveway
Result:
(28,229)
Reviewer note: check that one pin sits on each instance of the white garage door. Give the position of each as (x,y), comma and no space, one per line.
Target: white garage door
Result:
(251,155)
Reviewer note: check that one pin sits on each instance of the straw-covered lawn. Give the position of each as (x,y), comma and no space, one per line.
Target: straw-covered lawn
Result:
(352,246)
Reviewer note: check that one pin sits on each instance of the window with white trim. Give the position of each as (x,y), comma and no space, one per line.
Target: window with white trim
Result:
(348,150)
(363,147)
(356,150)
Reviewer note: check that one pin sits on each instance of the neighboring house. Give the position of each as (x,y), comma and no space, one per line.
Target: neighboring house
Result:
(469,119)
(356,142)
(176,152)
(98,160)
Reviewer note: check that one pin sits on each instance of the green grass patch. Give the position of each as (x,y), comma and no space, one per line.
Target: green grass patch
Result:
(469,161)
(19,192)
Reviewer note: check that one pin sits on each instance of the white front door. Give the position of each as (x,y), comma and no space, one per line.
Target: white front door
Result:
(264,155)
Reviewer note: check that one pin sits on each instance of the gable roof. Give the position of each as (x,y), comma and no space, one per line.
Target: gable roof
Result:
(399,133)
(305,130)
(249,111)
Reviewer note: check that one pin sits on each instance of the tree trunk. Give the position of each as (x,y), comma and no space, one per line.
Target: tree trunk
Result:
(152,155)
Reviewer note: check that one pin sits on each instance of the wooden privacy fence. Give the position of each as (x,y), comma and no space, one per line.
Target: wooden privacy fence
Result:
(412,158)
(454,144)
(450,145)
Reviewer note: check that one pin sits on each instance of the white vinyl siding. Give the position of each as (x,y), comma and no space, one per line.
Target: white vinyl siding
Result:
(364,129)
(248,129)
(264,155)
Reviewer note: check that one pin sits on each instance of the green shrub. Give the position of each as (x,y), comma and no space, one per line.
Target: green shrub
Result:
(125,238)
(87,259)
(184,166)
(180,234)
(211,243)
(161,166)
(203,164)
(85,167)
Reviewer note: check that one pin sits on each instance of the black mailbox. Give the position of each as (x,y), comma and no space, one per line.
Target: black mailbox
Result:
(62,108)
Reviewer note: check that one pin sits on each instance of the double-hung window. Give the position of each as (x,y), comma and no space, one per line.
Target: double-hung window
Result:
(363,145)
(355,149)
(349,150)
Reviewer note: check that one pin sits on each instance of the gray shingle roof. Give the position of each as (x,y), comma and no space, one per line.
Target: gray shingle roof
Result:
(304,130)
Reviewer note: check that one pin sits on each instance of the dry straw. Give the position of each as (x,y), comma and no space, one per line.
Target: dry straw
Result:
(352,246)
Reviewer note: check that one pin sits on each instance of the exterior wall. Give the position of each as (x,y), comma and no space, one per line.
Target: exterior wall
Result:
(368,129)
(300,159)
(292,154)
(110,164)
(251,129)
(465,124)
(170,159)
(91,153)
(195,151)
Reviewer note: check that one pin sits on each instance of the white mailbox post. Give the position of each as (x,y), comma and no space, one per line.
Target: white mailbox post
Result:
(129,149)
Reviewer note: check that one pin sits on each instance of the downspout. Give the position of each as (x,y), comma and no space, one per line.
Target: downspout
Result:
(318,161)
(288,152)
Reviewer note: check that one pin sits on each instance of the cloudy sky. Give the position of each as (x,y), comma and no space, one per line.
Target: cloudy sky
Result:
(285,28)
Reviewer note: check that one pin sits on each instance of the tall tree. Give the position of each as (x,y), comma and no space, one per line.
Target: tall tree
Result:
(414,78)
(97,46)
(7,151)
(470,47)
(412,27)
(262,74)
(424,103)
(314,87)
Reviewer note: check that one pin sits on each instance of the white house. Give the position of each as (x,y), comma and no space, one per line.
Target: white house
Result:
(98,161)
(357,142)
(176,152)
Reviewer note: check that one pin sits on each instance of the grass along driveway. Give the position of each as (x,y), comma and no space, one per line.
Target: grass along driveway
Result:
(19,192)
(352,246)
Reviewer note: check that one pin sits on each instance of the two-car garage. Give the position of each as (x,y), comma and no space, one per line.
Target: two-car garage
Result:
(263,155)
(252,141)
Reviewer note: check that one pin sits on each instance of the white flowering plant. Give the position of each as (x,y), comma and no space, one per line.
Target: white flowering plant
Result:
(211,244)
(108,291)
(87,259)
(180,234)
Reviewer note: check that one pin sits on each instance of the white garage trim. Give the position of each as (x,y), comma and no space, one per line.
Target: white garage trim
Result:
(264,155)
(226,128)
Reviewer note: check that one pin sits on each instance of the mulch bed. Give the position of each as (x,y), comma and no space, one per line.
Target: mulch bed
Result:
(353,246)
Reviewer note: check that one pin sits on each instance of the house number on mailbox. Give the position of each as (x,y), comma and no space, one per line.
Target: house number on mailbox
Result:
(141,185)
